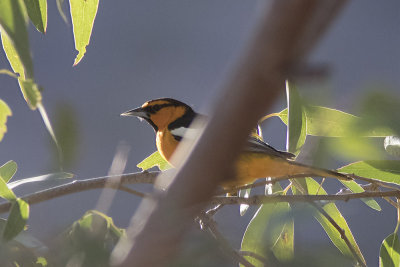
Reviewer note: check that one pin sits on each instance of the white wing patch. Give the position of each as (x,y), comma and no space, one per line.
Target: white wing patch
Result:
(189,133)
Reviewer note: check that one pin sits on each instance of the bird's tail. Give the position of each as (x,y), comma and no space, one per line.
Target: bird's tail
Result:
(303,169)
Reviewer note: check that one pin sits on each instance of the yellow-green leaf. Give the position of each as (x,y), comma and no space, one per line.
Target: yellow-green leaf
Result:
(389,255)
(16,221)
(324,121)
(6,192)
(31,93)
(154,160)
(5,112)
(313,187)
(8,170)
(297,122)
(13,18)
(83,13)
(381,170)
(356,188)
(37,12)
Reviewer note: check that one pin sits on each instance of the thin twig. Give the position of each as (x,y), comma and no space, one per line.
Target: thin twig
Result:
(342,233)
(114,182)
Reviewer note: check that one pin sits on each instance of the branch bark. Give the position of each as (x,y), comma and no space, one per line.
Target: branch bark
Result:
(285,36)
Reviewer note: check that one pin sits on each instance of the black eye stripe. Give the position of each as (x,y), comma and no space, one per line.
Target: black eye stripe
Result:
(153,109)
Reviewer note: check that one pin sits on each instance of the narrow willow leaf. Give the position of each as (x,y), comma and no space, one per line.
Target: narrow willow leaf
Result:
(392,145)
(5,112)
(8,170)
(154,160)
(13,18)
(42,178)
(381,170)
(6,192)
(31,93)
(297,124)
(312,188)
(263,235)
(324,121)
(37,12)
(356,188)
(389,255)
(16,220)
(12,55)
(83,13)
(271,230)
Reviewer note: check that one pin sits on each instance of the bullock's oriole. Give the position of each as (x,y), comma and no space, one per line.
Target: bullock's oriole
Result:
(171,118)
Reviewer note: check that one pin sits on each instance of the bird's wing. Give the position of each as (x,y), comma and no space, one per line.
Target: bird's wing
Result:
(258,146)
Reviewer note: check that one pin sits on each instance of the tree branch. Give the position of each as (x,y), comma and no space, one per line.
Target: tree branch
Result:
(114,182)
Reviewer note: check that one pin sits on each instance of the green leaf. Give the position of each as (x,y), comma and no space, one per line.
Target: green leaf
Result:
(6,192)
(31,93)
(390,252)
(42,178)
(324,121)
(83,13)
(312,188)
(42,261)
(153,160)
(263,235)
(297,122)
(16,220)
(356,188)
(13,18)
(37,12)
(8,170)
(381,170)
(392,145)
(5,112)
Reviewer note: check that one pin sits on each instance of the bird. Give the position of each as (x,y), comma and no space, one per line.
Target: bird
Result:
(171,119)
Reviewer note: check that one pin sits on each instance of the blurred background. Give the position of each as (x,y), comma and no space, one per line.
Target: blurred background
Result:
(141,50)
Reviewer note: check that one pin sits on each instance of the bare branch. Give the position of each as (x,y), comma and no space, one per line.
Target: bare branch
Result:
(114,182)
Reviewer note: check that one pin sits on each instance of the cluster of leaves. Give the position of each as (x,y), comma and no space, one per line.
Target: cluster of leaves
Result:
(270,233)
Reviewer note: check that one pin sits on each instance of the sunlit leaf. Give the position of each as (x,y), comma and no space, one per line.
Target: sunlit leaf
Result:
(42,178)
(312,188)
(13,18)
(389,255)
(42,261)
(392,145)
(8,170)
(381,170)
(83,13)
(31,92)
(37,11)
(5,112)
(356,188)
(16,219)
(6,192)
(297,124)
(154,160)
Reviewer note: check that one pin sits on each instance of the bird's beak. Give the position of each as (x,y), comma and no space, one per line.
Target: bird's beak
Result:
(137,112)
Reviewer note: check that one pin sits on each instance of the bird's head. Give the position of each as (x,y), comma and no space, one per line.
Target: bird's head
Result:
(160,113)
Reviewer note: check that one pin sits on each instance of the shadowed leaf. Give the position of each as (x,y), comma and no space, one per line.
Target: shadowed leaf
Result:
(42,178)
(37,12)
(16,220)
(5,112)
(389,255)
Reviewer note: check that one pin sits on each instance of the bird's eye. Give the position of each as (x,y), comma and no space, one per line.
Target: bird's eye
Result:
(156,108)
